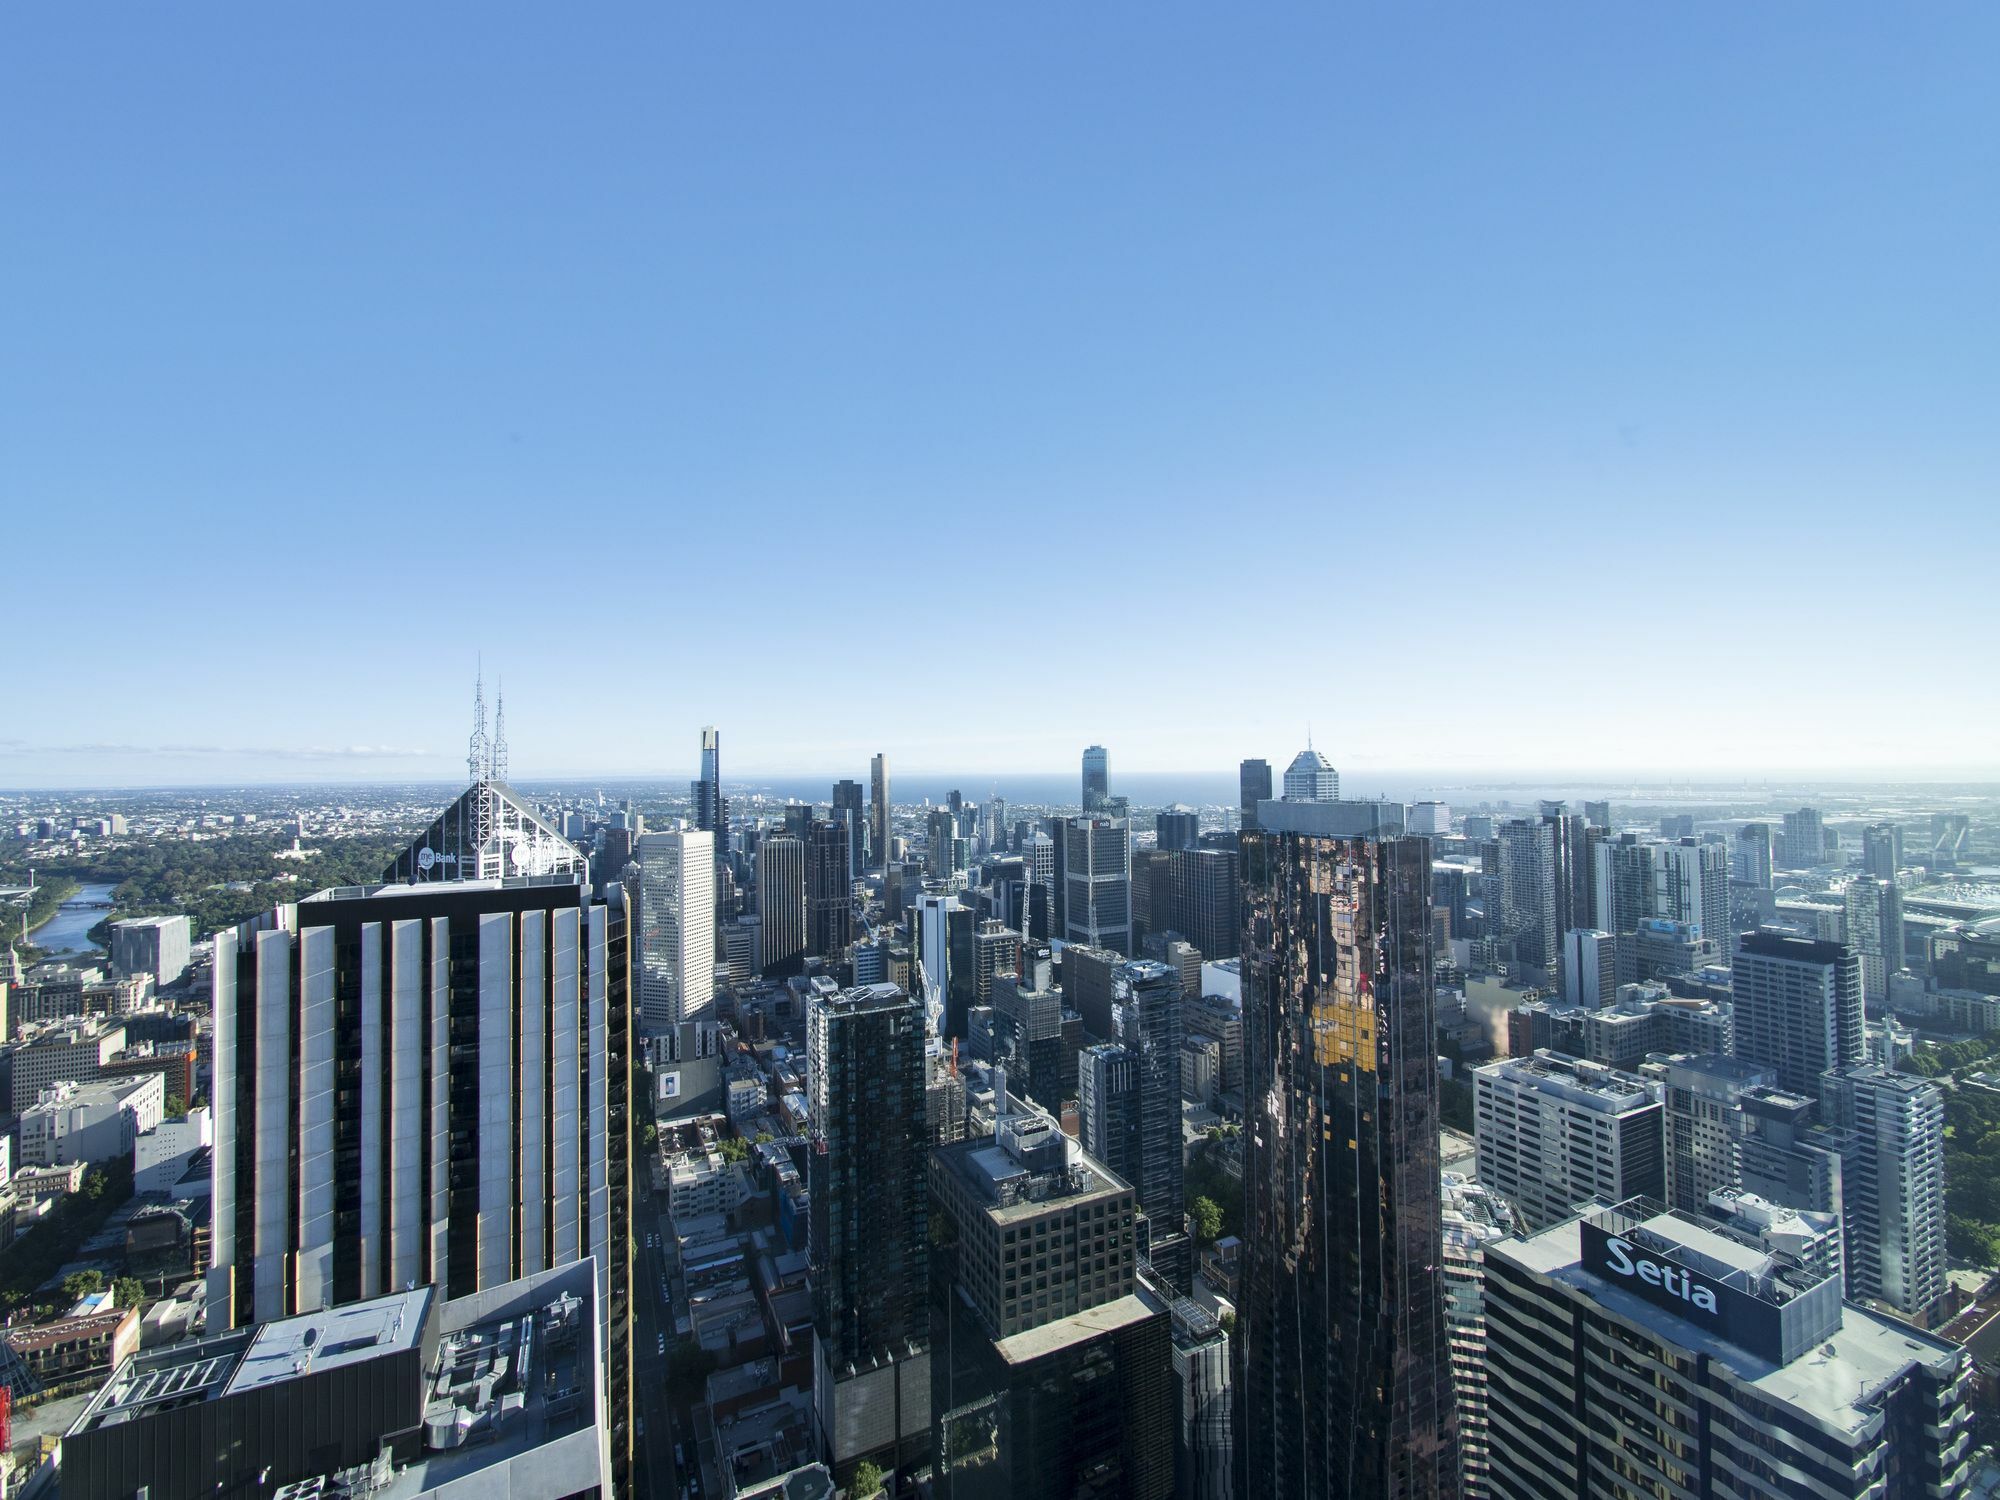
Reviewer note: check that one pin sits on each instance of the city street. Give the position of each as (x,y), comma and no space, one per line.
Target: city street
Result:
(665,1425)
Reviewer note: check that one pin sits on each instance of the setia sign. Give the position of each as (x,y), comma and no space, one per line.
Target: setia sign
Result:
(1743,1320)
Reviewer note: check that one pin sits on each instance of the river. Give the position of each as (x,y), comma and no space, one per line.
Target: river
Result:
(68,930)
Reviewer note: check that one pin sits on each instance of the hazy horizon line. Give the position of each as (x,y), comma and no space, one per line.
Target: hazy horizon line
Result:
(1458,777)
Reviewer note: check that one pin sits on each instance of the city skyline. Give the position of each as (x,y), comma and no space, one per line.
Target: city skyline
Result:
(851,297)
(943,753)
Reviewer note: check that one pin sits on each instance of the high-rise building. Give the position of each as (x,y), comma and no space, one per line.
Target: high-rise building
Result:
(996,949)
(947,995)
(1432,819)
(1340,1167)
(1474,1217)
(1219,1018)
(156,947)
(1694,888)
(867,1076)
(1052,1369)
(1028,1041)
(676,948)
(1153,914)
(1557,1132)
(1204,1443)
(711,808)
(1798,1007)
(1572,870)
(1892,1184)
(424,1084)
(1882,850)
(1640,1353)
(1731,1129)
(1096,778)
(1640,1020)
(1803,844)
(1597,814)
(1208,900)
(1875,933)
(1528,892)
(944,1102)
(1108,1105)
(880,822)
(781,901)
(1097,868)
(1177,828)
(1254,781)
(940,831)
(1140,1136)
(1087,975)
(1311,778)
(1038,875)
(848,809)
(1752,859)
(829,888)
(1589,967)
(1627,883)
(1185,960)
(1660,946)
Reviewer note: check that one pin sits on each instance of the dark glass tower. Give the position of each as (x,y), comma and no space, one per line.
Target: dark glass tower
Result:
(869,1226)
(1177,828)
(1346,1386)
(781,902)
(829,889)
(1096,778)
(847,808)
(1147,1009)
(711,808)
(1254,778)
(879,820)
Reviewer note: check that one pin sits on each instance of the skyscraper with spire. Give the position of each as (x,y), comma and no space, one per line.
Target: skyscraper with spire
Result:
(489,832)
(428,1080)
(711,808)
(1311,777)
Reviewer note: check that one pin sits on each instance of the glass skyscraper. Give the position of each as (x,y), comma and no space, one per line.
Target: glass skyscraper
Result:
(1096,778)
(1346,1376)
(869,1224)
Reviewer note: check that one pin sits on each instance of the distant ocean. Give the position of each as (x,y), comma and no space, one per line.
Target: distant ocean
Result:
(1146,789)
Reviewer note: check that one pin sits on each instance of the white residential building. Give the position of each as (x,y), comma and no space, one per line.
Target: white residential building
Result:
(1556,1132)
(66,1052)
(91,1122)
(676,919)
(155,947)
(704,1183)
(1430,818)
(162,1155)
(1892,1184)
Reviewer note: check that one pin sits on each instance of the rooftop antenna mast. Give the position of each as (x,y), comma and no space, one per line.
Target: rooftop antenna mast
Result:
(500,732)
(479,766)
(478,753)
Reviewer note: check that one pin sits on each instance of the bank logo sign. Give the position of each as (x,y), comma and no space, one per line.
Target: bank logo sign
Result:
(1723,1311)
(1627,1261)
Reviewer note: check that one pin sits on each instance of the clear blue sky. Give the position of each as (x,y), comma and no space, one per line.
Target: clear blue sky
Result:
(1493,386)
